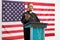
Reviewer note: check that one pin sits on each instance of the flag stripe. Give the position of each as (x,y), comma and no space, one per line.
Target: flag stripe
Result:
(47,14)
(20,25)
(44,7)
(49,34)
(41,9)
(41,4)
(49,29)
(13,37)
(13,34)
(12,28)
(47,19)
(14,25)
(13,31)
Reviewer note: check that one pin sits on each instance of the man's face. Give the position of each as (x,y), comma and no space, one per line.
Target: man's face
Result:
(30,7)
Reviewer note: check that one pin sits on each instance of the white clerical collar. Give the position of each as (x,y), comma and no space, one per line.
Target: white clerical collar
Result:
(31,12)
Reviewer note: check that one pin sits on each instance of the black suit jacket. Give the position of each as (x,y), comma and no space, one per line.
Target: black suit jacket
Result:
(32,15)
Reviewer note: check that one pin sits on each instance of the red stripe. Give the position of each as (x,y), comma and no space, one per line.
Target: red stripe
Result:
(14,25)
(47,19)
(13,37)
(41,9)
(49,34)
(51,24)
(41,4)
(15,31)
(49,29)
(40,14)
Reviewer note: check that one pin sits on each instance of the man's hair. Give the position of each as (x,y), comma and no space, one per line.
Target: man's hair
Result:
(28,4)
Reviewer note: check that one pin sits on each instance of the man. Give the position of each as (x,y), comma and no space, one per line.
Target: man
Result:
(29,16)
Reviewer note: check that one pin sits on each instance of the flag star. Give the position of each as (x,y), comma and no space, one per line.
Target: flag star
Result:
(23,4)
(7,15)
(15,15)
(19,18)
(8,3)
(3,15)
(12,7)
(11,19)
(8,7)
(4,3)
(7,11)
(3,11)
(15,19)
(19,7)
(7,19)
(20,13)
(11,3)
(11,15)
(11,11)
(19,4)
(15,3)
(15,11)
(15,7)
(3,19)
(3,7)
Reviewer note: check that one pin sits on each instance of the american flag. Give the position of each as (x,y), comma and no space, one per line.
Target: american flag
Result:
(12,28)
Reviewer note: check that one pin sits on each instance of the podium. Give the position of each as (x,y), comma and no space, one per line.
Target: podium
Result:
(36,30)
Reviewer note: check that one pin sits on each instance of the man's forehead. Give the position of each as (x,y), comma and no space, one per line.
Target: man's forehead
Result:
(31,4)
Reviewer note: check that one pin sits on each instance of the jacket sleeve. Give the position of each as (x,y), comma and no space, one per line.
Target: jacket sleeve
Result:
(36,18)
(23,20)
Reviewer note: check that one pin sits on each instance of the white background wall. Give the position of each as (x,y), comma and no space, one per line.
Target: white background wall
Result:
(57,15)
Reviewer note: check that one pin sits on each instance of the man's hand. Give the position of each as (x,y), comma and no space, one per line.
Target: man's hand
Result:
(27,16)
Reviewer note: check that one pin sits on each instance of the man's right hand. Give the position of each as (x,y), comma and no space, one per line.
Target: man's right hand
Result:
(27,16)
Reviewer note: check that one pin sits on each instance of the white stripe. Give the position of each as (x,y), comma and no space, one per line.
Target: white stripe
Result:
(10,23)
(50,26)
(46,17)
(47,21)
(13,28)
(12,34)
(19,39)
(49,32)
(50,38)
(5,23)
(43,12)
(44,7)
